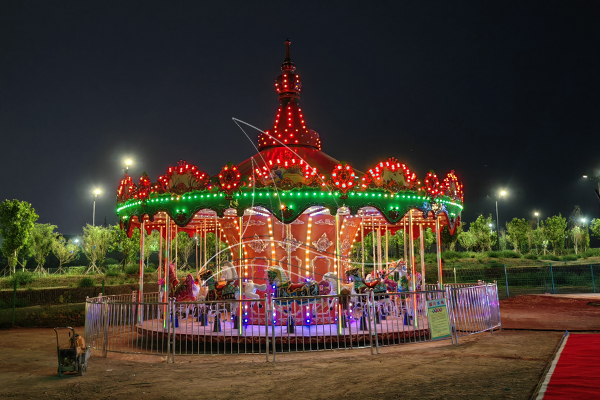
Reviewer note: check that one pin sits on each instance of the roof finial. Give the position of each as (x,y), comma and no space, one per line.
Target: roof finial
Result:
(288,65)
(287,49)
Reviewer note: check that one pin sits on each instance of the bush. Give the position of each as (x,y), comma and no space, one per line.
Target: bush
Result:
(86,282)
(150,268)
(509,254)
(570,258)
(112,272)
(493,254)
(531,256)
(132,269)
(110,261)
(21,278)
(550,257)
(451,255)
(591,253)
(76,270)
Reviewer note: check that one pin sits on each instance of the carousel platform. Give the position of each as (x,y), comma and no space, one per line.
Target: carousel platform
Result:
(391,329)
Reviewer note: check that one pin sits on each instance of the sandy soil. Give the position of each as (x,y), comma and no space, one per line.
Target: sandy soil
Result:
(577,312)
(507,365)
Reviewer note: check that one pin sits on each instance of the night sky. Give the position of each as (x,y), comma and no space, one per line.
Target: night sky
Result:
(506,94)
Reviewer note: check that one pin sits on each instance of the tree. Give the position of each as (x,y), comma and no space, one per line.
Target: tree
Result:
(97,240)
(467,240)
(482,232)
(129,247)
(578,235)
(517,231)
(449,241)
(185,248)
(595,228)
(554,230)
(42,238)
(65,251)
(16,223)
(151,245)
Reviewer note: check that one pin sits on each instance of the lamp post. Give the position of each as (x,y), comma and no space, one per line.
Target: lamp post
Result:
(501,194)
(595,179)
(537,215)
(96,193)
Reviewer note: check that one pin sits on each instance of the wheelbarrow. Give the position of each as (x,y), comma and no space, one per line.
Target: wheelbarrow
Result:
(75,357)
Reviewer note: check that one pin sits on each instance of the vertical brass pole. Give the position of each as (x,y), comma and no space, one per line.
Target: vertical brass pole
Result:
(141,289)
(338,271)
(412,266)
(362,235)
(240,282)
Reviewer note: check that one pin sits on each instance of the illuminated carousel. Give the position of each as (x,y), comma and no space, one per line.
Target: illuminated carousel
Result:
(293,210)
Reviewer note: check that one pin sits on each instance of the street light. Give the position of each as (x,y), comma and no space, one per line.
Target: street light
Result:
(96,193)
(128,163)
(537,215)
(502,193)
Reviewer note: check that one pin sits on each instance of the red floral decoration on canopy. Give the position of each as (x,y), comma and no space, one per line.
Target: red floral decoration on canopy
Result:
(183,178)
(452,187)
(144,187)
(230,178)
(432,185)
(343,177)
(392,175)
(127,190)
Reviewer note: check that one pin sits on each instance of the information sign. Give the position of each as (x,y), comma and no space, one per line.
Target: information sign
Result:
(438,319)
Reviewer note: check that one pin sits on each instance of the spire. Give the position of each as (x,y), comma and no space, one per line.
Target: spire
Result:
(289,128)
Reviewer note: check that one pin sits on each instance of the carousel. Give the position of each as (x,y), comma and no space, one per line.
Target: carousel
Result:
(292,218)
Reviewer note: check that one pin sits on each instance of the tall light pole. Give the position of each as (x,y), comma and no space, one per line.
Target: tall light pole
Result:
(596,179)
(96,193)
(501,194)
(537,215)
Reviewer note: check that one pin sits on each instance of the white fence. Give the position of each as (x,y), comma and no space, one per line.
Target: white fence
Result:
(274,326)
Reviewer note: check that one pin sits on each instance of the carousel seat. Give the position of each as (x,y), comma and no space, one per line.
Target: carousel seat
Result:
(372,284)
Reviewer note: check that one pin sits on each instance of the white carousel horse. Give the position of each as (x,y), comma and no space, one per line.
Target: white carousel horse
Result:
(229,273)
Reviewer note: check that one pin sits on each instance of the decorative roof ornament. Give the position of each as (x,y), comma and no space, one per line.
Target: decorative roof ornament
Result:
(257,244)
(323,243)
(289,128)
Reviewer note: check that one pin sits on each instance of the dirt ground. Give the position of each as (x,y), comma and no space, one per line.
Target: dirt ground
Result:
(507,365)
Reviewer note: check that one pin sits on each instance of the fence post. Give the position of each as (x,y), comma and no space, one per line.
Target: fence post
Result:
(506,278)
(552,276)
(454,275)
(105,326)
(593,283)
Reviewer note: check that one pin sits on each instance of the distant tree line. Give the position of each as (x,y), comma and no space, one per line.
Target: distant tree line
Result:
(24,240)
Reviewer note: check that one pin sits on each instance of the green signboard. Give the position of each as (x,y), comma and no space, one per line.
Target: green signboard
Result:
(438,319)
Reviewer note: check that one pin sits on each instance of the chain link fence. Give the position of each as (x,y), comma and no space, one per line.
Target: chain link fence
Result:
(514,281)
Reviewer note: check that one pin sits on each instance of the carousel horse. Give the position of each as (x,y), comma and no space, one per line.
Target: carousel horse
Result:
(221,290)
(285,288)
(229,274)
(346,289)
(361,286)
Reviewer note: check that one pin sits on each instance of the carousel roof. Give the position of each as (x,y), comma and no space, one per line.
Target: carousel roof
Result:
(289,175)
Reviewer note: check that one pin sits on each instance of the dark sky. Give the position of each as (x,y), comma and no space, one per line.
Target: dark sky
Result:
(504,93)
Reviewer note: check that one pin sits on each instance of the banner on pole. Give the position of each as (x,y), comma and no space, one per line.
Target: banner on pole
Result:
(438,319)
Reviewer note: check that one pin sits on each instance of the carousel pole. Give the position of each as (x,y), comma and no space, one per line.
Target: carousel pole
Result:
(362,235)
(167,262)
(412,266)
(205,240)
(216,244)
(141,290)
(404,237)
(160,260)
(241,255)
(387,244)
(379,247)
(338,271)
(176,248)
(374,237)
(422,243)
(197,238)
(438,248)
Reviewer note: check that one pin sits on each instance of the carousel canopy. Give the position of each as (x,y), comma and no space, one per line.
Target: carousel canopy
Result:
(288,176)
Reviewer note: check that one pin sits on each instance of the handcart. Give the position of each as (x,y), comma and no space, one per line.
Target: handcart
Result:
(75,357)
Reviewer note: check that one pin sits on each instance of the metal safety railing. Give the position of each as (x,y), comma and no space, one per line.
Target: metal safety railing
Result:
(274,326)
